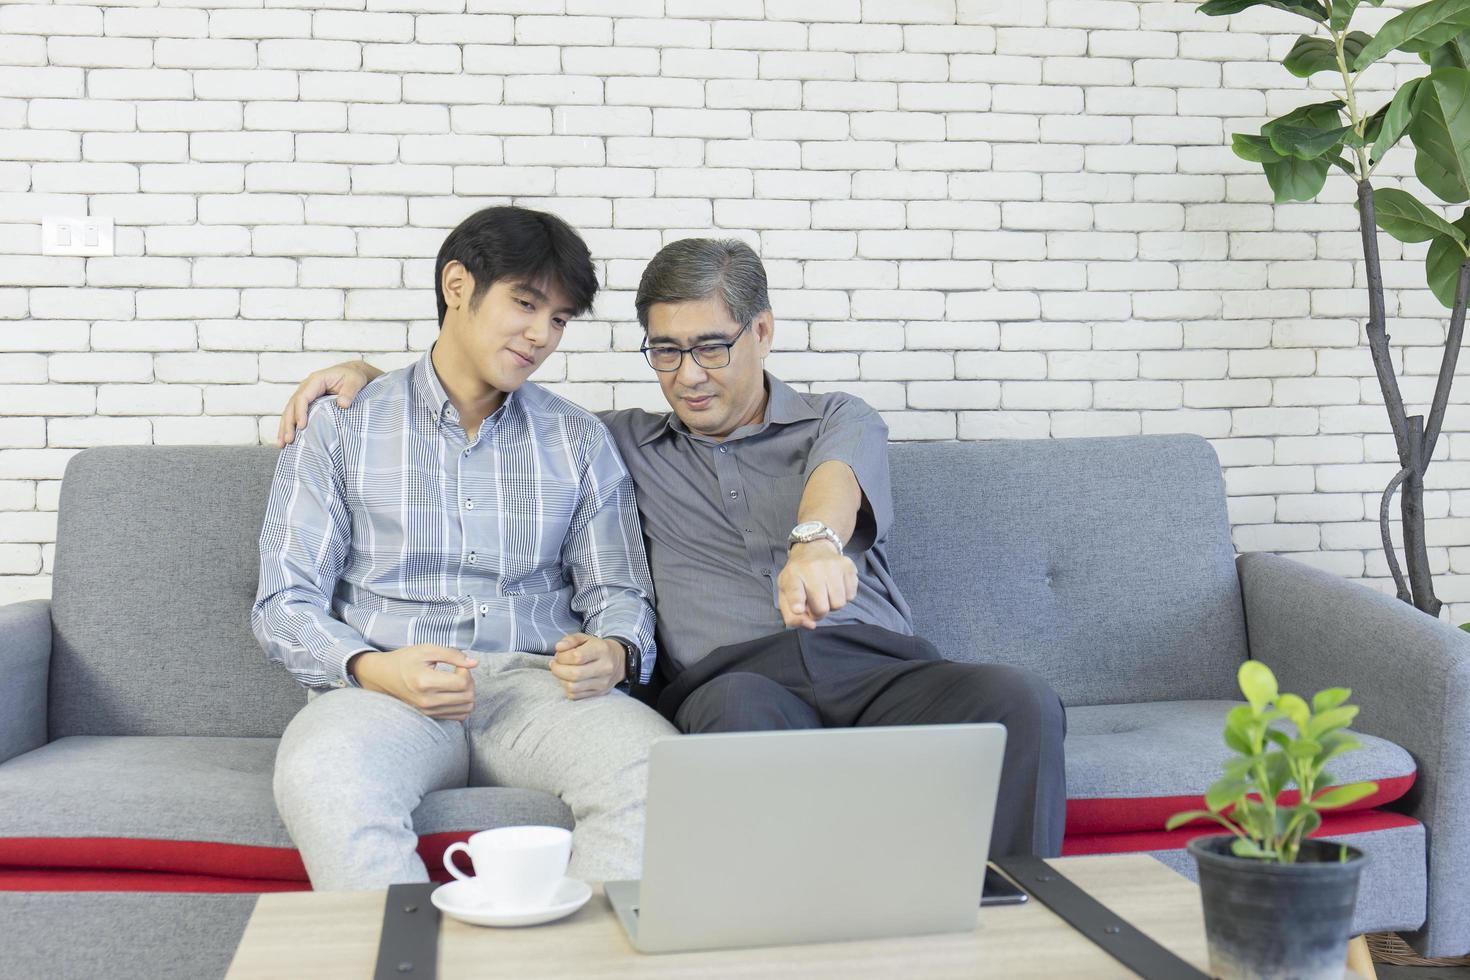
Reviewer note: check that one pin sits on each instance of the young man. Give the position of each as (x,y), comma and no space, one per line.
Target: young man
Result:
(765,512)
(453,566)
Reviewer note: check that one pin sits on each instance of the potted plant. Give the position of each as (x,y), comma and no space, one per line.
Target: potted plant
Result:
(1276,903)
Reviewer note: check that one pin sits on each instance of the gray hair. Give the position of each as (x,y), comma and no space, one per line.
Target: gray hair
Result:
(698,268)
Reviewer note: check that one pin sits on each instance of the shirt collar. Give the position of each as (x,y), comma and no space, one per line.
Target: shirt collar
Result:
(427,387)
(784,405)
(431,393)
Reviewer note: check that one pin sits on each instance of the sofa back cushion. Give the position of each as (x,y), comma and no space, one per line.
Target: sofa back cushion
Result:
(1103,564)
(156,567)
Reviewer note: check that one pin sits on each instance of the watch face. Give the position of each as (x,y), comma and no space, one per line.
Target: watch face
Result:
(807,527)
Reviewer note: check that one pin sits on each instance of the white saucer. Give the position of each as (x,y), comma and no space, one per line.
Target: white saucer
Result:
(457,900)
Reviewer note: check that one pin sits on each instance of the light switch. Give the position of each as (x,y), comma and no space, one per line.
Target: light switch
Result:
(76,236)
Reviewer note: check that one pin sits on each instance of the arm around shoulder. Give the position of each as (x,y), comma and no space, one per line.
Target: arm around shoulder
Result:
(304,543)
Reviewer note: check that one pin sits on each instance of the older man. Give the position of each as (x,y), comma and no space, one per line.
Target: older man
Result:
(765,512)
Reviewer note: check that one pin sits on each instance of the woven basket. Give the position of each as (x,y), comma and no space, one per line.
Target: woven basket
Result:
(1387,947)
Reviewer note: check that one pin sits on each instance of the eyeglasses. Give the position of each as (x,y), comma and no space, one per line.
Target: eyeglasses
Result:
(709,356)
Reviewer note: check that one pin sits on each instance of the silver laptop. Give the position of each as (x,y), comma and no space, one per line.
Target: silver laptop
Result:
(768,838)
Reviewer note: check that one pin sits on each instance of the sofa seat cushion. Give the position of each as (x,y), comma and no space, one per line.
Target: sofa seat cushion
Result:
(1132,766)
(106,808)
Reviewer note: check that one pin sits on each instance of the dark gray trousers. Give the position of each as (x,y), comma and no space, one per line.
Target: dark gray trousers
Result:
(846,676)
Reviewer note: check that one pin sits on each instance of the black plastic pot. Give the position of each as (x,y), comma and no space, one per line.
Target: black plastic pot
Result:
(1278,921)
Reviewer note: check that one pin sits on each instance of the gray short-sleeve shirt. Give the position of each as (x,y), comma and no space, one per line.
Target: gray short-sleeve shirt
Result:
(716,515)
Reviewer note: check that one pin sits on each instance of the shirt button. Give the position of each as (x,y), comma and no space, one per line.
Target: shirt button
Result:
(734,494)
(466,452)
(724,449)
(471,558)
(469,505)
(484,610)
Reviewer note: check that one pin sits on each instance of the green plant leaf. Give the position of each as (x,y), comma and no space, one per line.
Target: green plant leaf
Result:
(1306,8)
(1188,816)
(1330,698)
(1336,744)
(1278,774)
(1330,720)
(1278,738)
(1395,120)
(1224,792)
(1294,708)
(1419,28)
(1372,126)
(1442,263)
(1313,54)
(1304,748)
(1237,743)
(1343,795)
(1342,12)
(1258,685)
(1408,219)
(1249,849)
(1465,627)
(1454,53)
(1256,149)
(1306,143)
(1439,125)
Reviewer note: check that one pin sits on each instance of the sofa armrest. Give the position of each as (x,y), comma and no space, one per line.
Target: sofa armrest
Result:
(1410,675)
(25,665)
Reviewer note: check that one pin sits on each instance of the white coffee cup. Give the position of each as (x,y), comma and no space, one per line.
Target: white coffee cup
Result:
(515,867)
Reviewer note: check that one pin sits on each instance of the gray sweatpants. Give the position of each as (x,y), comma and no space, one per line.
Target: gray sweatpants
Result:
(353,765)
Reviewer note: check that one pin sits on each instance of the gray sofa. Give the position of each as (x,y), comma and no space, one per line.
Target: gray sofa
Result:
(139,718)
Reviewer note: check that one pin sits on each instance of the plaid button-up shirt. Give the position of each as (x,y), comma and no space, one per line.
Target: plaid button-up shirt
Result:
(386,527)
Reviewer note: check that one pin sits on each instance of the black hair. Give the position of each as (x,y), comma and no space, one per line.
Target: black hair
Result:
(520,245)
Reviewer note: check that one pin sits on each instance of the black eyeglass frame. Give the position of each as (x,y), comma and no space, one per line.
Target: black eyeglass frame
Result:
(690,351)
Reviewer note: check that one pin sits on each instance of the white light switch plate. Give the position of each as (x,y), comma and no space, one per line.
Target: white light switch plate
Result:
(76,236)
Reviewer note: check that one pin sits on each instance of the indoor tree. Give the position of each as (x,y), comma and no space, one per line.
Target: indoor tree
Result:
(1297,151)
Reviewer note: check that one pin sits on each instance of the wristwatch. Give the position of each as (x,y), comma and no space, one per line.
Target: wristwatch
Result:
(808,531)
(632,662)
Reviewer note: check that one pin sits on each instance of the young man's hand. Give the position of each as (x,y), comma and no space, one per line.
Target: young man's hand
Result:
(817,579)
(343,380)
(588,666)
(409,675)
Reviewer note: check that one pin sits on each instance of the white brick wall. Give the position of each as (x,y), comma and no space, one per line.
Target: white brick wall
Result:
(991,220)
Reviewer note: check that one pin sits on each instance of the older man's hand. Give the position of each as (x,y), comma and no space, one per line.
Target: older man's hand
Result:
(343,380)
(817,580)
(589,666)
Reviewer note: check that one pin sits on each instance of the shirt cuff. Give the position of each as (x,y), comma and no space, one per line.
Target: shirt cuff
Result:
(334,661)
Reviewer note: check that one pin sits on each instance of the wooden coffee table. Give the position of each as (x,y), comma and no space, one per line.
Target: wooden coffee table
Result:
(335,934)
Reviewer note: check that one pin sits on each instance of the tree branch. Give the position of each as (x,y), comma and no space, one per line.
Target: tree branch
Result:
(1447,363)
(1388,550)
(1377,324)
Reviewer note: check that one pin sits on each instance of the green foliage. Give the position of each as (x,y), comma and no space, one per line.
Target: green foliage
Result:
(1439,125)
(1395,119)
(1297,151)
(1307,8)
(1246,799)
(1313,54)
(1418,29)
(1443,260)
(1402,215)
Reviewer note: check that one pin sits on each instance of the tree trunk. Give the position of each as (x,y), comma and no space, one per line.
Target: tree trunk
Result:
(1408,433)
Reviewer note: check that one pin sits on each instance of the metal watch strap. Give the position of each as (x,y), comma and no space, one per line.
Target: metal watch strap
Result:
(825,534)
(409,947)
(1094,920)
